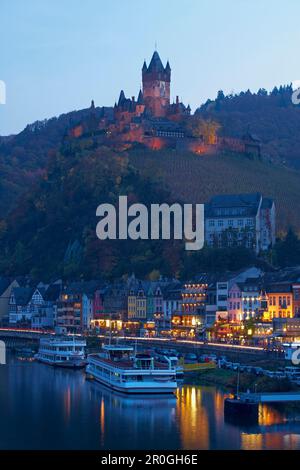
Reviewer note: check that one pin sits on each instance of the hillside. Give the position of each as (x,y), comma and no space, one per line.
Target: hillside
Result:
(51,232)
(194,178)
(24,157)
(272,117)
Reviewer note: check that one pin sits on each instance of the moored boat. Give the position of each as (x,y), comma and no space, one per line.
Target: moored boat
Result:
(63,351)
(120,369)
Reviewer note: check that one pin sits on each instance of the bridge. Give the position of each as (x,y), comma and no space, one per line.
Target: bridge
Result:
(20,338)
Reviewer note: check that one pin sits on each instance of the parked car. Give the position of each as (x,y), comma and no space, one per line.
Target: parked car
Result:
(208,358)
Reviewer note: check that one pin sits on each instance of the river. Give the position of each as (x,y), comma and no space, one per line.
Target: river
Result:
(42,407)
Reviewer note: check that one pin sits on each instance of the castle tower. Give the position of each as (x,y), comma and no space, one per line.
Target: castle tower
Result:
(156,86)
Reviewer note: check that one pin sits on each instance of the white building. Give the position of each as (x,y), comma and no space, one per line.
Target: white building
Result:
(240,220)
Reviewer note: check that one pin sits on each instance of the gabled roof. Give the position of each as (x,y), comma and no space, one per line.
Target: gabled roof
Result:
(88,287)
(172,291)
(250,284)
(22,295)
(229,205)
(52,293)
(279,288)
(4,284)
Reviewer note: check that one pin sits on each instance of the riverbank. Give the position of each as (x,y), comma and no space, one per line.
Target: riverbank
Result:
(227,380)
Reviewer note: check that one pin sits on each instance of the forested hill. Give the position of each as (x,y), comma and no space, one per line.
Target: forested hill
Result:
(272,117)
(23,157)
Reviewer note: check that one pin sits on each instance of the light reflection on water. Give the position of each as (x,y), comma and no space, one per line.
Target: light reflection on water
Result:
(46,408)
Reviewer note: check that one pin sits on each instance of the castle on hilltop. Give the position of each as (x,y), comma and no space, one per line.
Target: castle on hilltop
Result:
(152,120)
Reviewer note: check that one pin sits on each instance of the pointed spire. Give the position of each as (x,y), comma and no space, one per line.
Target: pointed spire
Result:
(121,98)
(156,63)
(168,68)
(140,99)
(92,104)
(144,69)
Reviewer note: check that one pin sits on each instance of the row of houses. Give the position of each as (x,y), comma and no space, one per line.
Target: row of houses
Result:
(162,307)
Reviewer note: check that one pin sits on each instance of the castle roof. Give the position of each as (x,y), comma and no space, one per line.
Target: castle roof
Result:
(122,98)
(156,63)
(140,99)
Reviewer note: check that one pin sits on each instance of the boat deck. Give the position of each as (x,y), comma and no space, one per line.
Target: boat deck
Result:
(123,364)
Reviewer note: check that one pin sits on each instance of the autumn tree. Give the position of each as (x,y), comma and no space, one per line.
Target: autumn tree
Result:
(204,128)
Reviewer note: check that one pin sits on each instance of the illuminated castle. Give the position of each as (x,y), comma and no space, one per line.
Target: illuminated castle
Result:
(151,119)
(154,99)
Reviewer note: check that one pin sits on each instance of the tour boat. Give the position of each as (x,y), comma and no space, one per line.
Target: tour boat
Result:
(119,368)
(65,351)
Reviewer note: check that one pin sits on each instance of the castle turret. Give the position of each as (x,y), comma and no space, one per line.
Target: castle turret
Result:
(156,85)
(122,98)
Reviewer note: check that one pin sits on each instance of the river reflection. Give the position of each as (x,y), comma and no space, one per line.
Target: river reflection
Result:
(46,408)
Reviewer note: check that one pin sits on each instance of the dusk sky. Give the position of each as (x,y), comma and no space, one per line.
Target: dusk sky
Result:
(57,55)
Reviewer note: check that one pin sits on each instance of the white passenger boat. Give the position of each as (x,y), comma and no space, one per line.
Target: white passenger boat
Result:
(119,368)
(64,351)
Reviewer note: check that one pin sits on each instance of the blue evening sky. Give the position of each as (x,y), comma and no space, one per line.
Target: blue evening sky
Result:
(57,55)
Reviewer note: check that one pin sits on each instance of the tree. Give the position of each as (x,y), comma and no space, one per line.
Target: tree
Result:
(288,250)
(204,128)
